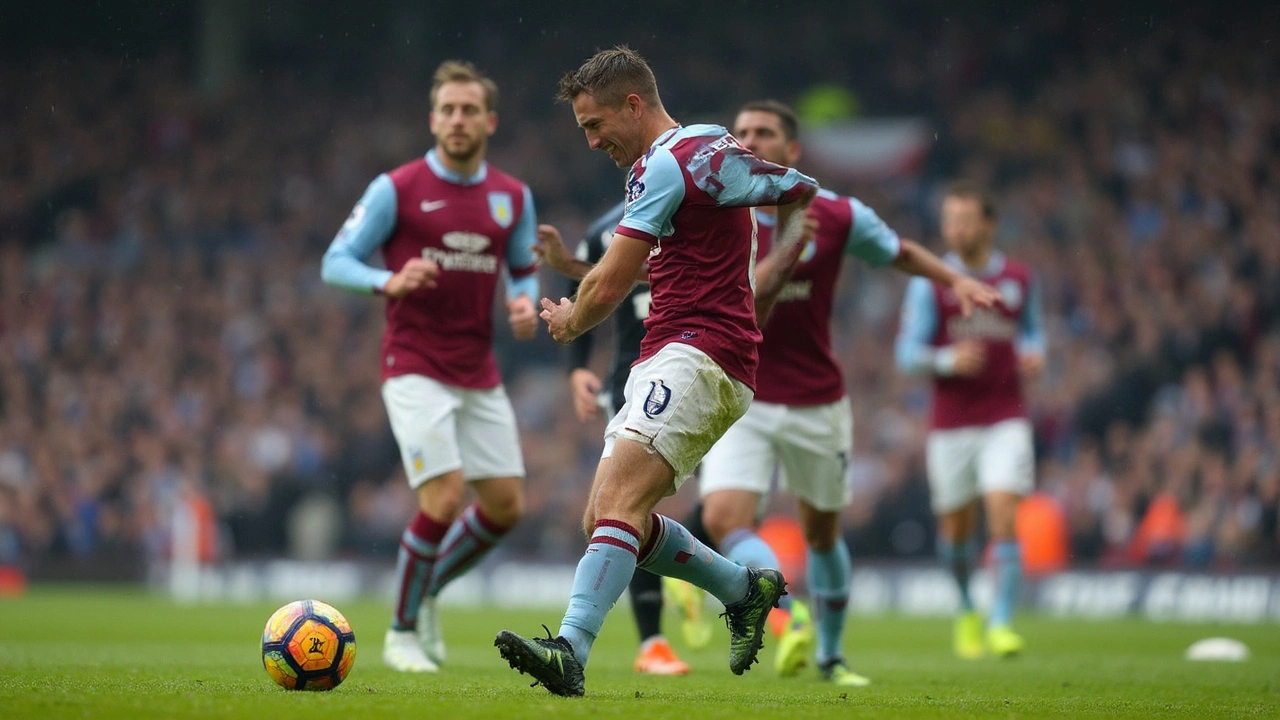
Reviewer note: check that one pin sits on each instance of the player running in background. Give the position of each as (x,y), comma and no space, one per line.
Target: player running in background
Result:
(980,440)
(446,224)
(591,396)
(688,218)
(800,423)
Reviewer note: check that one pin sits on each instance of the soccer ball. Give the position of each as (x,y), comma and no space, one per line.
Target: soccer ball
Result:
(308,645)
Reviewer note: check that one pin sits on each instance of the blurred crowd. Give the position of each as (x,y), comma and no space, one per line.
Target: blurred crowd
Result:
(169,358)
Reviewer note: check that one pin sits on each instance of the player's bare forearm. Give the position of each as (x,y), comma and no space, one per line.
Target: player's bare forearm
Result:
(610,281)
(790,223)
(602,290)
(574,268)
(579,269)
(775,270)
(594,302)
(772,274)
(551,250)
(914,259)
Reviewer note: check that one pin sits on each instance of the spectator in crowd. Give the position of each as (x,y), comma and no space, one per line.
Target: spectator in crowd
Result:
(148,357)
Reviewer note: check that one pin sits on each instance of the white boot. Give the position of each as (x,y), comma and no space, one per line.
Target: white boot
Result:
(401,651)
(429,631)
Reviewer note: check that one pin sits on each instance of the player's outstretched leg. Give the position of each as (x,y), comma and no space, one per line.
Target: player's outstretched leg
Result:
(745,547)
(550,661)
(747,618)
(602,574)
(747,593)
(656,656)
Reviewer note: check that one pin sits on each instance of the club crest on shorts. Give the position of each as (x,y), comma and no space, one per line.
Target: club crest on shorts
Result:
(659,396)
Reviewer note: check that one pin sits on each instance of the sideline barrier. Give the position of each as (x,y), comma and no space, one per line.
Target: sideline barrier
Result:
(877,589)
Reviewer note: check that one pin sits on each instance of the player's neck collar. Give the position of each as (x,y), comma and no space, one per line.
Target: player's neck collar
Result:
(452,176)
(995,264)
(666,135)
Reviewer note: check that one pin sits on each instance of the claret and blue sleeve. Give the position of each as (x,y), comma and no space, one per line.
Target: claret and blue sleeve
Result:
(371,222)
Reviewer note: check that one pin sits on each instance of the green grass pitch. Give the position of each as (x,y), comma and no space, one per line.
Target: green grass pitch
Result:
(89,653)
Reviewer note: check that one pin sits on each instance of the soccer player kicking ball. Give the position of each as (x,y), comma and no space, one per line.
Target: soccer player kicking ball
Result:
(591,396)
(688,216)
(800,423)
(445,223)
(980,441)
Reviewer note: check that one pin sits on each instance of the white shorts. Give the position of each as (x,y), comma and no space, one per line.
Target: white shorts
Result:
(810,447)
(441,428)
(966,462)
(680,402)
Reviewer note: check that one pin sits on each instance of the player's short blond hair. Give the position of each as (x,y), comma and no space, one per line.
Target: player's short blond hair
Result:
(610,76)
(461,71)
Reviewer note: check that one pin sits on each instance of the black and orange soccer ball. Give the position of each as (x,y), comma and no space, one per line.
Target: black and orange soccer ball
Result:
(308,645)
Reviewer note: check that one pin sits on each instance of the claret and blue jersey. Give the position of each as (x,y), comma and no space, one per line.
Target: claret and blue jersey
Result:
(690,197)
(471,226)
(796,364)
(931,319)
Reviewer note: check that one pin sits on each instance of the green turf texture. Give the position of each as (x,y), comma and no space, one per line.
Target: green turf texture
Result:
(92,653)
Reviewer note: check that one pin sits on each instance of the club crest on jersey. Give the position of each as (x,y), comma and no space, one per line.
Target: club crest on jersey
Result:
(501,208)
(1010,293)
(810,249)
(635,189)
(659,396)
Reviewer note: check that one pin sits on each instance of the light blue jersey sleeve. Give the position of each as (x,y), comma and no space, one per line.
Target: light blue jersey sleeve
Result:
(744,180)
(870,238)
(654,196)
(914,351)
(522,264)
(1031,339)
(369,225)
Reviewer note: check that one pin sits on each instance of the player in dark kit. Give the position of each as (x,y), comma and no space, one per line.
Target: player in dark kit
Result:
(590,395)
(447,224)
(980,439)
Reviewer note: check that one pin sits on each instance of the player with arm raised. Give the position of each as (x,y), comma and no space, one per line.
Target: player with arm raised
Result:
(688,216)
(980,440)
(800,424)
(446,224)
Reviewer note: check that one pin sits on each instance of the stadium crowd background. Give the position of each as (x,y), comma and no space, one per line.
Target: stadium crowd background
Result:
(166,343)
